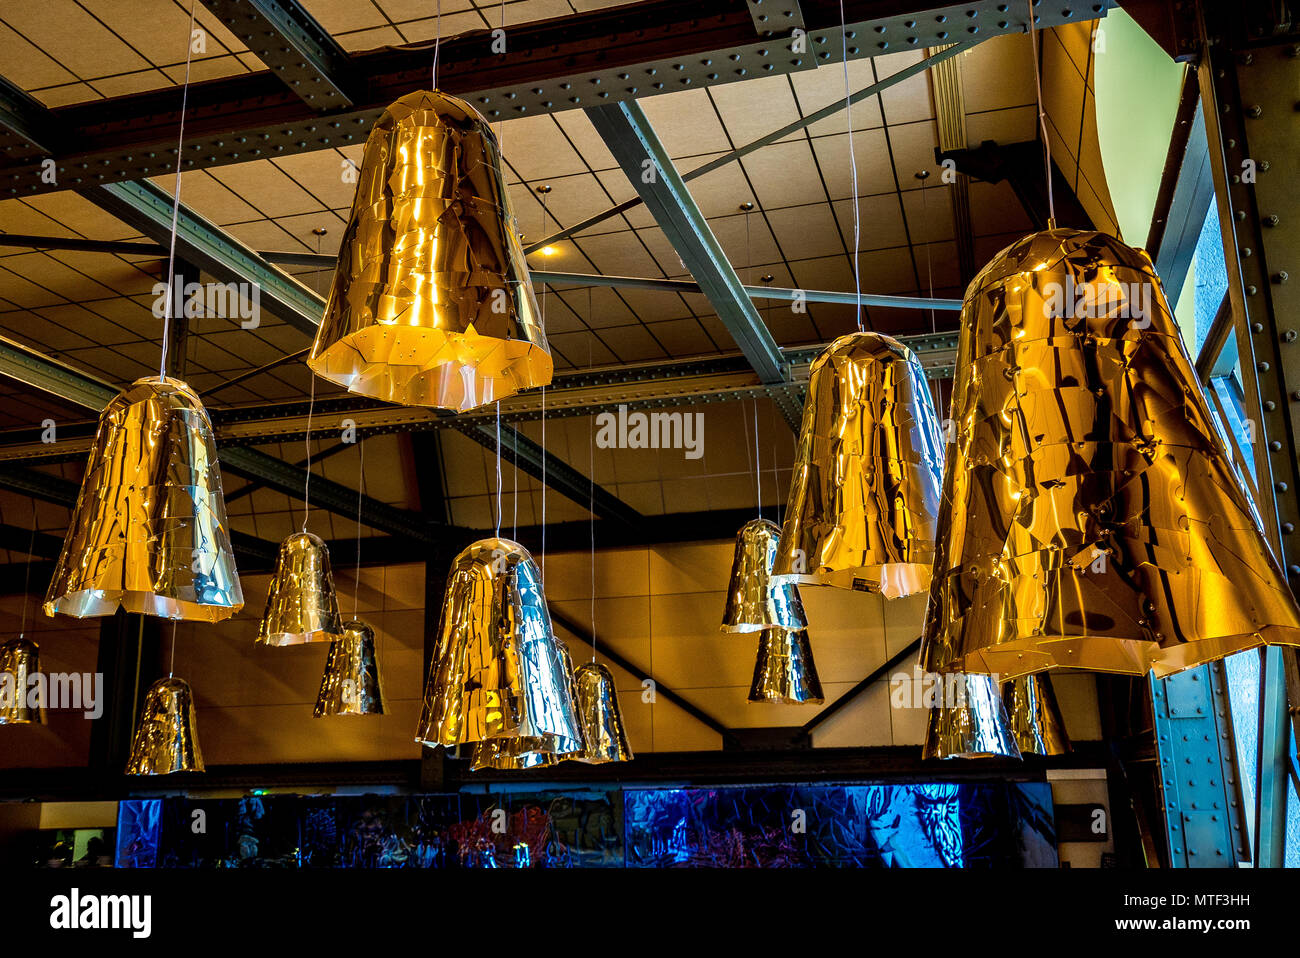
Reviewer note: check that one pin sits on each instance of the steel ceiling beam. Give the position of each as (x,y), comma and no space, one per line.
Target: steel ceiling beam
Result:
(629,51)
(631,139)
(294,47)
(68,384)
(148,208)
(775,136)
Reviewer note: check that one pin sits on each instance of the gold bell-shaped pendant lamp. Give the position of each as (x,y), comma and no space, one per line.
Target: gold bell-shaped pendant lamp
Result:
(600,716)
(350,685)
(166,740)
(431,303)
(301,604)
(497,670)
(1034,715)
(508,754)
(149,533)
(784,671)
(754,600)
(22,700)
(1091,515)
(972,723)
(865,491)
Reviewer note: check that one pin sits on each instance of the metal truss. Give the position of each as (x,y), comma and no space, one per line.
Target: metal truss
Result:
(631,51)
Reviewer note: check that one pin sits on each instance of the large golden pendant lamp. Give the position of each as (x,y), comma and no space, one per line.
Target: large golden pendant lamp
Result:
(865,492)
(1091,515)
(148,533)
(497,671)
(431,303)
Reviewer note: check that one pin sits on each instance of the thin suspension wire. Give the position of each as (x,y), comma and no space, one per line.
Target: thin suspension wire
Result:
(176,198)
(306,483)
(171,664)
(591,495)
(929,276)
(27,576)
(853,168)
(758,462)
(545,214)
(1042,121)
(514,519)
(500,503)
(361,481)
(437,43)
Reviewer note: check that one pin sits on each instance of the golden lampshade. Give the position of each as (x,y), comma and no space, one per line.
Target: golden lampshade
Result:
(148,533)
(166,740)
(22,702)
(301,604)
(507,754)
(350,685)
(1091,515)
(970,724)
(785,671)
(754,600)
(605,739)
(497,671)
(431,303)
(1034,715)
(865,490)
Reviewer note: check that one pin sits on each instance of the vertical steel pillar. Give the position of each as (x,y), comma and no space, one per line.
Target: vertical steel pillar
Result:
(1199,786)
(1249,75)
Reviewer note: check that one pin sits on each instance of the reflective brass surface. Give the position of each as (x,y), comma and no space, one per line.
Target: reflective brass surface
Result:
(149,531)
(497,669)
(754,601)
(431,303)
(1034,715)
(971,725)
(350,685)
(507,753)
(1091,516)
(785,671)
(865,490)
(301,604)
(20,704)
(166,740)
(602,721)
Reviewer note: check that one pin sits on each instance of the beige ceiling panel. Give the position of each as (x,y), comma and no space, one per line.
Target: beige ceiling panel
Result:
(535,148)
(572,199)
(937,265)
(997,73)
(683,337)
(872,159)
(127,83)
(159,29)
(929,214)
(887,271)
(686,123)
(655,305)
(400,11)
(68,283)
(370,39)
(881,221)
(747,242)
(825,272)
(65,31)
(600,307)
(261,235)
(754,108)
(722,190)
(995,209)
(27,216)
(271,191)
(1012,125)
(27,66)
(300,229)
(582,349)
(907,100)
(806,231)
(667,262)
(619,254)
(321,173)
(790,328)
(619,190)
(784,174)
(585,139)
(525,11)
(57,96)
(825,85)
(913,146)
(342,16)
(1076,40)
(115,275)
(632,343)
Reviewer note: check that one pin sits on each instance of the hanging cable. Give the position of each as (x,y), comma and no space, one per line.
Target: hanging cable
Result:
(176,199)
(1042,120)
(853,169)
(361,480)
(306,483)
(437,42)
(500,502)
(27,575)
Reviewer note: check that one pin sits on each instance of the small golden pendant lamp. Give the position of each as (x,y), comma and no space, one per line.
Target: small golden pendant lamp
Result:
(1035,717)
(497,671)
(149,532)
(166,740)
(865,491)
(431,303)
(507,754)
(754,600)
(973,725)
(785,671)
(21,701)
(301,603)
(605,739)
(350,685)
(1091,515)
